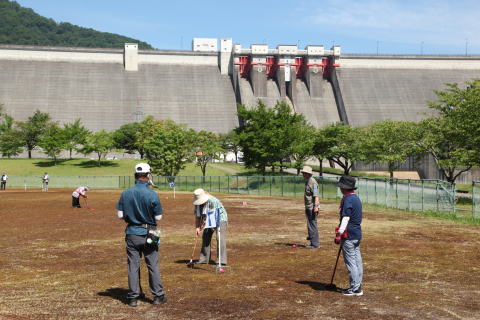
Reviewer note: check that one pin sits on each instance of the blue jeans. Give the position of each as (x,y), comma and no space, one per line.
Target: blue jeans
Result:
(353,262)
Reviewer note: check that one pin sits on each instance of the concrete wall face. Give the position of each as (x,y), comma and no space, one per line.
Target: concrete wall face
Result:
(105,96)
(375,90)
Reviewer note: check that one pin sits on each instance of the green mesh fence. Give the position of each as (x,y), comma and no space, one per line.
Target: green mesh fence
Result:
(413,195)
(476,199)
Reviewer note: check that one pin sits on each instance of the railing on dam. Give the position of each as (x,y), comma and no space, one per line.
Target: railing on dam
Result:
(412,195)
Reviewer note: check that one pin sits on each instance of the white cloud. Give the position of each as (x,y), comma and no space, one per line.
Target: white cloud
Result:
(440,21)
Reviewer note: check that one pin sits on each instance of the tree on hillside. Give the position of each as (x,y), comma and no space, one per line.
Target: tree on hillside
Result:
(346,145)
(53,141)
(167,146)
(267,135)
(207,146)
(391,142)
(32,129)
(100,142)
(75,134)
(19,25)
(453,136)
(125,138)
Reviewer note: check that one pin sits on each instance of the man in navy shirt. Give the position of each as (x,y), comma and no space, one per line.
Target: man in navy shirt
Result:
(350,222)
(140,207)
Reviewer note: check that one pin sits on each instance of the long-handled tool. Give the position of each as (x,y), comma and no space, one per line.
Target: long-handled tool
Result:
(191,264)
(332,286)
(86,204)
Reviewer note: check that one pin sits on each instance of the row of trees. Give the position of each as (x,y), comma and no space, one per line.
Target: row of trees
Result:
(168,146)
(268,137)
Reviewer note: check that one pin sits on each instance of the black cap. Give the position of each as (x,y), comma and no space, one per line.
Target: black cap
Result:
(346,182)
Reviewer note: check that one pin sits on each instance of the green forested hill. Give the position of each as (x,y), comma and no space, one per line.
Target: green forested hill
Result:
(19,25)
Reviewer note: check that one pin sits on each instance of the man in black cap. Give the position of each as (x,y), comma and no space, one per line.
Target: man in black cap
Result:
(350,222)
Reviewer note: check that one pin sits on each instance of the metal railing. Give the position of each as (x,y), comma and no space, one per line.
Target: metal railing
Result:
(412,195)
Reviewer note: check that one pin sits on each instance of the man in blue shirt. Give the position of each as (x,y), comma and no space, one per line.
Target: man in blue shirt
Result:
(350,222)
(140,207)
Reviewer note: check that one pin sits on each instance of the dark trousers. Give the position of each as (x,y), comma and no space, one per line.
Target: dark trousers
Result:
(136,246)
(2,185)
(205,251)
(312,227)
(76,202)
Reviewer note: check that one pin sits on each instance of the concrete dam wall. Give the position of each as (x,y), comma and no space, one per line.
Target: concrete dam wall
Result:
(107,88)
(94,86)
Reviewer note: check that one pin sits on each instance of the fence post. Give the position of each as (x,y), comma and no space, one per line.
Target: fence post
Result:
(248,186)
(375,188)
(423,193)
(228,184)
(294,186)
(386,205)
(408,197)
(366,184)
(281,179)
(473,199)
(271,178)
(238,188)
(436,194)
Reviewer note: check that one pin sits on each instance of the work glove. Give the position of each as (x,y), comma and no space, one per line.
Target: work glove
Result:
(338,238)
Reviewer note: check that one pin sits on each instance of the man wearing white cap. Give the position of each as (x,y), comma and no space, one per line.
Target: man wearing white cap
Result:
(140,207)
(312,203)
(207,206)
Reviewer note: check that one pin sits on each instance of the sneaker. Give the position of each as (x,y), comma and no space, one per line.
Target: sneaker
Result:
(348,292)
(311,247)
(359,291)
(159,300)
(132,302)
(351,292)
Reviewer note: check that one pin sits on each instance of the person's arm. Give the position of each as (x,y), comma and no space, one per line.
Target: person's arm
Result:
(316,203)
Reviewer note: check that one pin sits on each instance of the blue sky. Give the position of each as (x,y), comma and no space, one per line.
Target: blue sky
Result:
(363,26)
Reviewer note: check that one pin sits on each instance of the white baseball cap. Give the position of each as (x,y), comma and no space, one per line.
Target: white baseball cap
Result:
(142,168)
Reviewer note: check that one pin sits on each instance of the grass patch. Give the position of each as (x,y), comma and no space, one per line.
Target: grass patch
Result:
(458,218)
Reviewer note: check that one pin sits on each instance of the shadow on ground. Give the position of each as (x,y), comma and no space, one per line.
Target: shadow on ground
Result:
(320,286)
(120,294)
(94,164)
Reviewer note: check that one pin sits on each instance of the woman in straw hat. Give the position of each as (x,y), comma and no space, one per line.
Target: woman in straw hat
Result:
(206,207)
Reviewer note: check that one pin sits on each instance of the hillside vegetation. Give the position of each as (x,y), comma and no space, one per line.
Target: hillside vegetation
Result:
(19,25)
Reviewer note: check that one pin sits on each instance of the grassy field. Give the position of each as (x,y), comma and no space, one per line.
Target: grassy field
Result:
(63,263)
(87,167)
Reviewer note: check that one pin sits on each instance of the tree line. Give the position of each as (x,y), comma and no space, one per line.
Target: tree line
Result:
(19,25)
(268,137)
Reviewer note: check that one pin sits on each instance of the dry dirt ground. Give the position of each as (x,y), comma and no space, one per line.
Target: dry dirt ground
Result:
(63,263)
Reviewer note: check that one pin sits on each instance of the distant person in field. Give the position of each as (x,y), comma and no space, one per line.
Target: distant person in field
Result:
(350,222)
(312,204)
(211,216)
(3,181)
(80,192)
(45,180)
(141,209)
